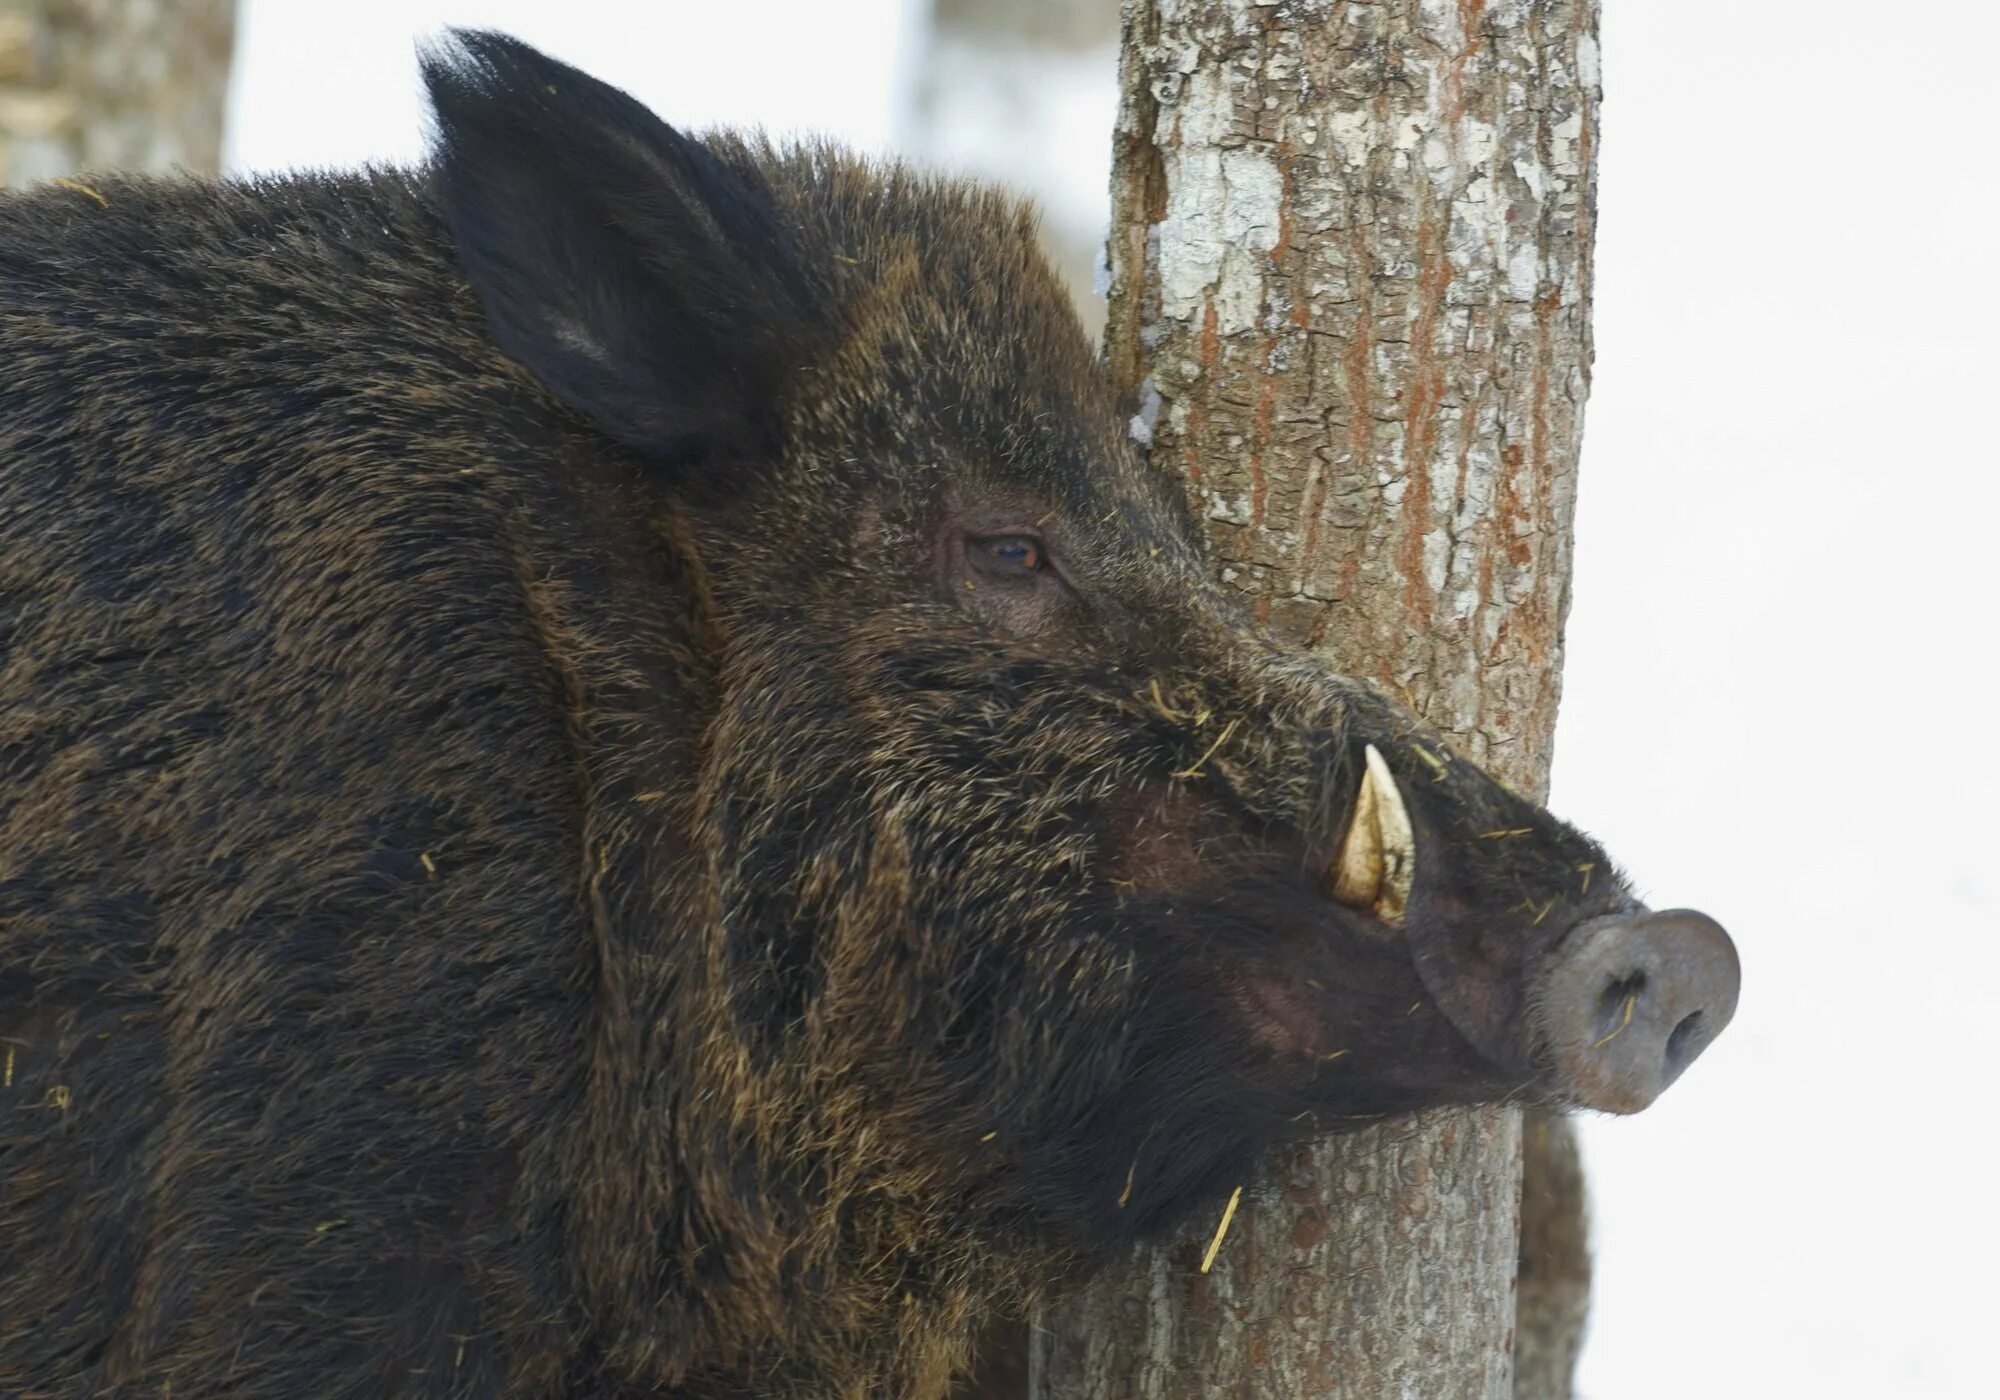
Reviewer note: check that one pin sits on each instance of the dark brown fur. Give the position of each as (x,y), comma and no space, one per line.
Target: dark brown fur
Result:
(550,874)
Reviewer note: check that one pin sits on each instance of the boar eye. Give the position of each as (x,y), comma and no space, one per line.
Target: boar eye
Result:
(1006,555)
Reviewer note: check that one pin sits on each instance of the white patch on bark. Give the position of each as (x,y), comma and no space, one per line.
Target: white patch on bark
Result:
(1563,139)
(1142,423)
(1235,511)
(1587,70)
(1351,131)
(1222,216)
(1524,273)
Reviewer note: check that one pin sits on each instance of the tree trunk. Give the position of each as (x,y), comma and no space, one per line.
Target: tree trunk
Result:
(1553,1299)
(1350,275)
(112,85)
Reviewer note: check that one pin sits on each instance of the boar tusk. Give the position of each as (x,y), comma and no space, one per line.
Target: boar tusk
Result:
(1357,871)
(1378,859)
(1399,843)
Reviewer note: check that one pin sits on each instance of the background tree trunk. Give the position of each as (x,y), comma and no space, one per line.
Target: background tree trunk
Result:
(1553,1295)
(1350,283)
(112,85)
(994,90)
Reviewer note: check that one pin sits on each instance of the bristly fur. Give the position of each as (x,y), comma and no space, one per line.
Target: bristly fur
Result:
(517,877)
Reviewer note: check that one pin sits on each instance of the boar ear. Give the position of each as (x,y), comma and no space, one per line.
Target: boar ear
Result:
(648,280)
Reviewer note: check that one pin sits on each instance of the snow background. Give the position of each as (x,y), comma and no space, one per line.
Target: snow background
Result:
(1782,655)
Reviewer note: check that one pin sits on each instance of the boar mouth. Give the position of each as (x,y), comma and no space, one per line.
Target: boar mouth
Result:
(1610,1017)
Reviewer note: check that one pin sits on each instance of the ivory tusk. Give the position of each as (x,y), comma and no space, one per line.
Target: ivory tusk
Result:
(1378,858)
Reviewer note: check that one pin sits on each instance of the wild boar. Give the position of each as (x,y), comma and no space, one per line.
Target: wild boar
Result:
(618,781)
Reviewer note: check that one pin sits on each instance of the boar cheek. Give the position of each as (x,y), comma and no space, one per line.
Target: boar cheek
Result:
(1473,958)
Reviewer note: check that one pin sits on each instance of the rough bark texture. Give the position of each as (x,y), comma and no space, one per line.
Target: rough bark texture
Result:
(1350,283)
(112,85)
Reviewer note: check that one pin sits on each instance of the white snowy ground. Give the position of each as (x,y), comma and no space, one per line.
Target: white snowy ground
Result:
(1782,674)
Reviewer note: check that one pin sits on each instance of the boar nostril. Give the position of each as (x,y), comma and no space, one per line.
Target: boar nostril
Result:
(1680,1040)
(1617,1003)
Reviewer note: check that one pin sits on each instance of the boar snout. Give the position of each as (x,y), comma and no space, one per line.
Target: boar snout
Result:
(1631,999)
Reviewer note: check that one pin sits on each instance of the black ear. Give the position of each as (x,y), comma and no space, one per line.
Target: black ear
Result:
(647,279)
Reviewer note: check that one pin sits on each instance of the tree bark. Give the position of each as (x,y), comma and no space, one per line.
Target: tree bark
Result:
(1350,279)
(112,85)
